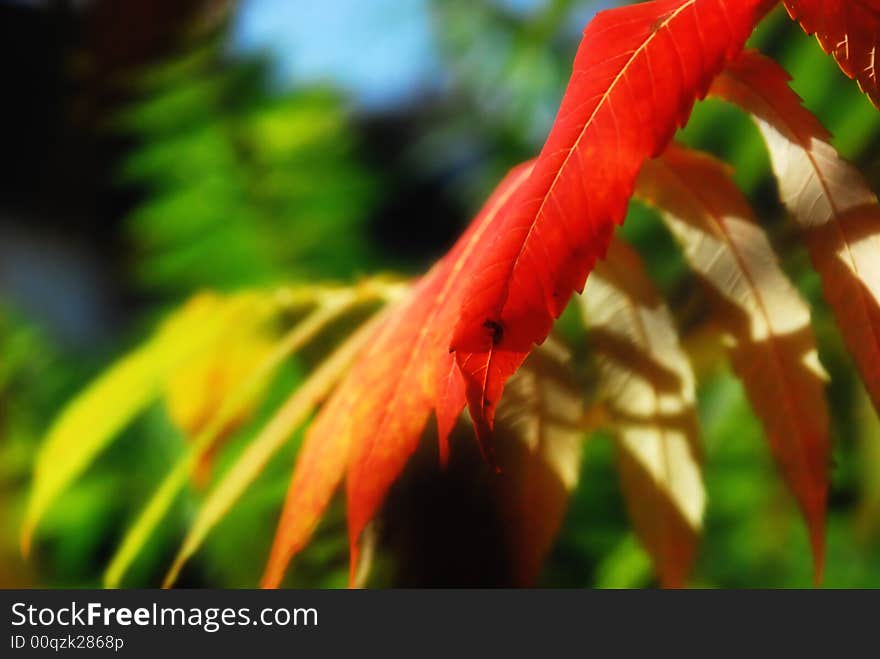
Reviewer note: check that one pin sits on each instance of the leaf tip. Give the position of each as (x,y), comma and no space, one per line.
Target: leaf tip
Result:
(483,427)
(173,573)
(817,544)
(354,562)
(271,578)
(443,444)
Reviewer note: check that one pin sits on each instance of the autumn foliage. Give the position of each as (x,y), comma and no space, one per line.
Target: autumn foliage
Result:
(466,334)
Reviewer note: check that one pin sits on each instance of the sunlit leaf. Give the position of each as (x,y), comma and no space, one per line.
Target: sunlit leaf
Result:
(767,323)
(649,387)
(231,407)
(270,439)
(197,388)
(538,439)
(98,414)
(827,196)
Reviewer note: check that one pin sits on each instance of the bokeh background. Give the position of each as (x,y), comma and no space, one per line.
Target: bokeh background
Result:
(157,148)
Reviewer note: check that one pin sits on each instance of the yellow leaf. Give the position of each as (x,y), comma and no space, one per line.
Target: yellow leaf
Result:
(231,407)
(271,438)
(197,388)
(92,419)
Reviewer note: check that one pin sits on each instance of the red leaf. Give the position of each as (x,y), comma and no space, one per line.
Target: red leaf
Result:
(826,196)
(849,30)
(636,75)
(373,422)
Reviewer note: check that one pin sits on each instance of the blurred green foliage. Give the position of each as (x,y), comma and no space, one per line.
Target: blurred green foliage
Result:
(242,186)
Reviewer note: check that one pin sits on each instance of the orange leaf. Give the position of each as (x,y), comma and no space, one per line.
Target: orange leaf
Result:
(828,198)
(319,468)
(374,421)
(769,336)
(847,29)
(648,385)
(636,75)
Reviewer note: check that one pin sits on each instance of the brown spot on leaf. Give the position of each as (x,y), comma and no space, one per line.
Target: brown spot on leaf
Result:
(497,330)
